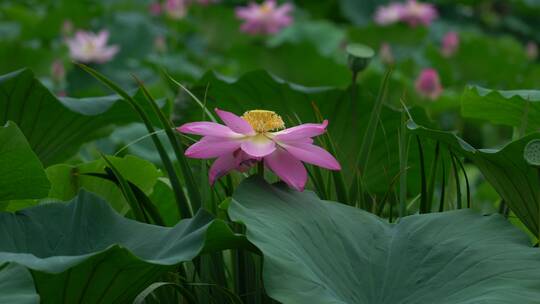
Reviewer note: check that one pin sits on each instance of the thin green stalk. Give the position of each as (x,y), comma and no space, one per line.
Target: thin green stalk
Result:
(240,269)
(467,186)
(197,100)
(423,196)
(181,200)
(339,180)
(354,92)
(358,187)
(403,150)
(391,213)
(443,188)
(260,169)
(458,184)
(185,292)
(387,195)
(191,185)
(369,135)
(317,178)
(433,176)
(538,199)
(524,119)
(229,189)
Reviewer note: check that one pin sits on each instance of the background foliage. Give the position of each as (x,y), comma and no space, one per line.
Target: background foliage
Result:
(97,196)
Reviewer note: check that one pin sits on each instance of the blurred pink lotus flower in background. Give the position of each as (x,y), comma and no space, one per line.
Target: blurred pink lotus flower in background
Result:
(88,47)
(175,9)
(531,50)
(428,84)
(160,44)
(389,14)
(385,53)
(264,18)
(58,71)
(450,44)
(254,137)
(416,13)
(155,8)
(411,12)
(67,28)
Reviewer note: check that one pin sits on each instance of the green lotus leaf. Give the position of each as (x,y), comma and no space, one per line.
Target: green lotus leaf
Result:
(16,285)
(506,169)
(325,252)
(84,252)
(57,128)
(21,173)
(509,108)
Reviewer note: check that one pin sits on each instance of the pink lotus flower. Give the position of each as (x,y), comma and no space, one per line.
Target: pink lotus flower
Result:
(175,9)
(531,50)
(389,14)
(386,54)
(428,84)
(416,13)
(88,47)
(450,44)
(58,71)
(244,141)
(155,8)
(266,18)
(160,44)
(67,28)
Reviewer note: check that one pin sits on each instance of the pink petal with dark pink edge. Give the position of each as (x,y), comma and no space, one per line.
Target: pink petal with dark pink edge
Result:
(235,122)
(210,147)
(301,131)
(207,128)
(258,146)
(221,166)
(288,168)
(312,154)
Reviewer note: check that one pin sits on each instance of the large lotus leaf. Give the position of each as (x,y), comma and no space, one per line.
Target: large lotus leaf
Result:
(325,252)
(56,128)
(21,173)
(16,285)
(347,122)
(505,169)
(502,107)
(84,252)
(67,180)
